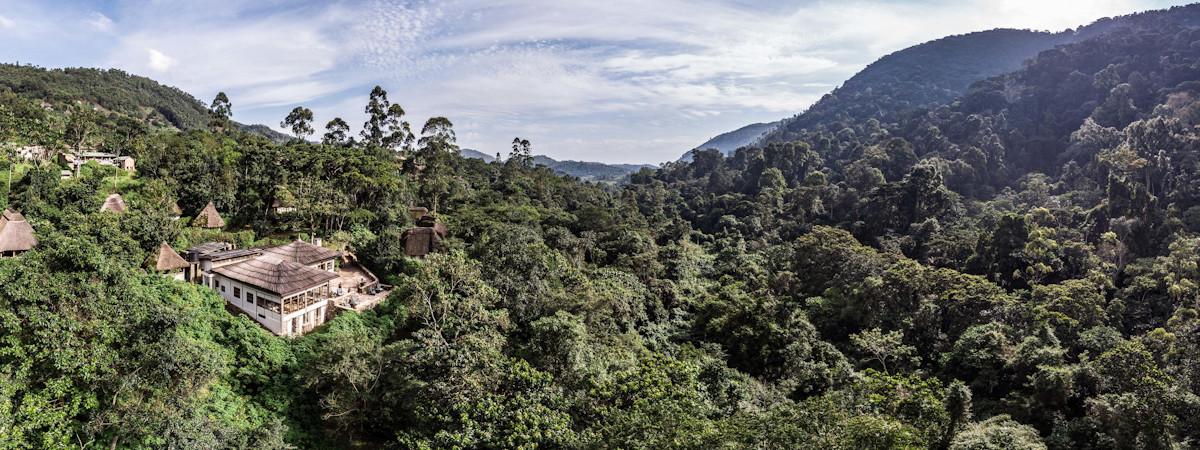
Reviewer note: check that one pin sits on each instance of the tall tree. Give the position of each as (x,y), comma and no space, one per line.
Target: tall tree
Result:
(221,111)
(337,132)
(400,135)
(299,121)
(522,152)
(80,124)
(438,134)
(377,109)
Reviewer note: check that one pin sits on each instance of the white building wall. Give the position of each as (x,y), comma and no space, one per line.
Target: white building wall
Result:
(282,325)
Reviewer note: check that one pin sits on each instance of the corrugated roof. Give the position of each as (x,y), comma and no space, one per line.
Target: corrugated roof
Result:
(273,274)
(113,203)
(166,258)
(209,247)
(302,252)
(230,254)
(16,235)
(208,217)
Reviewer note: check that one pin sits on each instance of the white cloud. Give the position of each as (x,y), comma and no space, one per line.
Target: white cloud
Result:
(616,80)
(259,62)
(100,22)
(157,61)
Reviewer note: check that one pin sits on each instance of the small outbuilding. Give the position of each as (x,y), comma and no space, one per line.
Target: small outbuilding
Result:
(420,241)
(114,203)
(281,207)
(208,218)
(16,235)
(168,262)
(125,163)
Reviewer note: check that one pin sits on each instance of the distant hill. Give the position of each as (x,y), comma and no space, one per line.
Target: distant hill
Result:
(115,90)
(921,76)
(935,73)
(727,143)
(476,154)
(585,170)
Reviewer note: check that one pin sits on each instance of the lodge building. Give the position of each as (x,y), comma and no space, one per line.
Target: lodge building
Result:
(286,297)
(286,288)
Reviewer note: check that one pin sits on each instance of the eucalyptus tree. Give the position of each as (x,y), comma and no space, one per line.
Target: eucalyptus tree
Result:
(299,121)
(221,111)
(337,132)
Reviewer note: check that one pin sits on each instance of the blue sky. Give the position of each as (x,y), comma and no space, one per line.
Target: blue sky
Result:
(612,81)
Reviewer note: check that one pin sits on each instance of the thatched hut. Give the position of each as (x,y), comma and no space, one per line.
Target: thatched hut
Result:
(114,203)
(16,235)
(420,241)
(208,218)
(167,261)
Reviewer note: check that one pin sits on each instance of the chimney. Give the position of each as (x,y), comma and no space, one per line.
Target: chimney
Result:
(417,212)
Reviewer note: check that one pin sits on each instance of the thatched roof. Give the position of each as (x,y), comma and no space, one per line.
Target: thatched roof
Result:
(272,274)
(208,218)
(302,252)
(166,259)
(176,210)
(113,203)
(420,241)
(15,233)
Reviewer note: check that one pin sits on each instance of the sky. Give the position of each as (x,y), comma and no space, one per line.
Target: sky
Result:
(628,81)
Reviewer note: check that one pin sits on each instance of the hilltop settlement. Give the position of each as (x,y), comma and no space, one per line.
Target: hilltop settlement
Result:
(289,289)
(986,241)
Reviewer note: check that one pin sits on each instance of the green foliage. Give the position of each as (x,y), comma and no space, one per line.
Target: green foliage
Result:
(998,433)
(1023,253)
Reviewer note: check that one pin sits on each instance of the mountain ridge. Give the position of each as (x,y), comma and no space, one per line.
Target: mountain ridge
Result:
(135,96)
(729,141)
(584,170)
(907,74)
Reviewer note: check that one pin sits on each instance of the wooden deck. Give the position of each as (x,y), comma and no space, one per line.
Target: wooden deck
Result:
(353,286)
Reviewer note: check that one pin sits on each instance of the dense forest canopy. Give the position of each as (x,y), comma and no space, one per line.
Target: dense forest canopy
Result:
(1014,266)
(130,96)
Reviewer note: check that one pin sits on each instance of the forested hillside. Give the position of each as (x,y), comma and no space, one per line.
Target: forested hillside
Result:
(135,97)
(729,142)
(926,75)
(584,170)
(1012,267)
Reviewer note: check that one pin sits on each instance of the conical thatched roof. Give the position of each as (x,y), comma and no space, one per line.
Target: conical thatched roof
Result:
(208,218)
(176,210)
(15,233)
(114,203)
(166,259)
(272,274)
(302,252)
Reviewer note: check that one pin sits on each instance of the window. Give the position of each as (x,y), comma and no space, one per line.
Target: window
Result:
(237,292)
(222,286)
(249,297)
